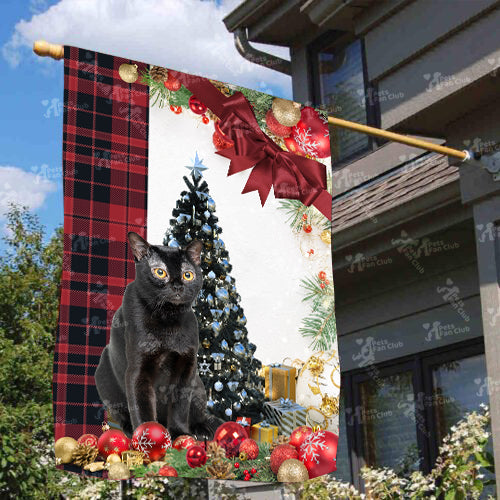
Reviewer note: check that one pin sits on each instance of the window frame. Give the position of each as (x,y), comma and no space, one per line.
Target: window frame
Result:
(420,364)
(338,39)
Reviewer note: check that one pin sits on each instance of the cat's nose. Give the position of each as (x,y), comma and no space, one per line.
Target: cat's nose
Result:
(177,287)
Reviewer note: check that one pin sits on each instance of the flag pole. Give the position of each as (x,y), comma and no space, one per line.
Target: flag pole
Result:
(45,49)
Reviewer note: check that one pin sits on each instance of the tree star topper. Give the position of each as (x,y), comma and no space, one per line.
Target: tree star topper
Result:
(197,167)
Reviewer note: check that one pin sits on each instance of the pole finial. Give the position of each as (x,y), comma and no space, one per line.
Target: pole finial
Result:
(46,49)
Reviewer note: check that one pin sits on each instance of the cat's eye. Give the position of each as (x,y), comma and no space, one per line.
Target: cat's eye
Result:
(160,273)
(188,276)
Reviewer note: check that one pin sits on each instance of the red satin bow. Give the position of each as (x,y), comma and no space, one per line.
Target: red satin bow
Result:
(290,175)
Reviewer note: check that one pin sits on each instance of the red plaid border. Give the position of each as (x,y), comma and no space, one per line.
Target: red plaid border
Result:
(105,162)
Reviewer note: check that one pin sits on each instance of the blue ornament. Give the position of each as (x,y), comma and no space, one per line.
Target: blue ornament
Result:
(243,393)
(237,406)
(222,294)
(239,349)
(233,385)
(226,311)
(211,204)
(218,386)
(174,244)
(242,320)
(228,412)
(251,348)
(216,313)
(211,275)
(217,356)
(224,345)
(210,403)
(206,229)
(183,218)
(185,197)
(210,299)
(207,214)
(228,279)
(237,334)
(188,238)
(216,326)
(201,195)
(225,263)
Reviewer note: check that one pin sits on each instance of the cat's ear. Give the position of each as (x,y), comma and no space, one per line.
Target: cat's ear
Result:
(194,251)
(139,246)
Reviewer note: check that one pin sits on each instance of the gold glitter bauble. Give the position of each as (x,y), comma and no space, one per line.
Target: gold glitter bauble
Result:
(329,406)
(118,471)
(95,466)
(206,343)
(113,459)
(128,72)
(286,112)
(64,449)
(292,471)
(326,237)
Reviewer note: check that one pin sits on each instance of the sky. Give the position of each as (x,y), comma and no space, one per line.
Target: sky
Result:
(188,36)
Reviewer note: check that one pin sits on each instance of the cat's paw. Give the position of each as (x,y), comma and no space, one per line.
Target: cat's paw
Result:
(202,431)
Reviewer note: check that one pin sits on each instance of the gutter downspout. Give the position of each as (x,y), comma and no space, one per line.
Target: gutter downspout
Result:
(257,56)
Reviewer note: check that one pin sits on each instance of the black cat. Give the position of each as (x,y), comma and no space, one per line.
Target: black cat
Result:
(148,371)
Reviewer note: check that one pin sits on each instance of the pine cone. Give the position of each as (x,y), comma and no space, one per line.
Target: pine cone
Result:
(84,455)
(214,451)
(279,440)
(220,469)
(158,74)
(222,87)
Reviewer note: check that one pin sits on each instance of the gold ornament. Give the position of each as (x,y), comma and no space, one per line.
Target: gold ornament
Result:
(206,343)
(132,458)
(279,440)
(118,470)
(220,469)
(292,471)
(128,72)
(95,466)
(84,454)
(286,112)
(329,406)
(315,365)
(114,458)
(243,456)
(64,449)
(326,237)
(158,74)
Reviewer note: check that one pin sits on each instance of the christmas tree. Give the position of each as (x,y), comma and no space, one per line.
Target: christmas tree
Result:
(226,361)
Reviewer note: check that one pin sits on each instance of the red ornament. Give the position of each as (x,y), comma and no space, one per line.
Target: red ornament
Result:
(246,472)
(89,440)
(322,275)
(327,282)
(322,285)
(307,228)
(246,478)
(250,447)
(292,146)
(319,453)
(304,217)
(112,441)
(171,83)
(253,471)
(176,109)
(311,134)
(281,453)
(184,442)
(298,435)
(237,465)
(168,471)
(275,126)
(196,456)
(205,119)
(196,106)
(152,439)
(221,141)
(229,435)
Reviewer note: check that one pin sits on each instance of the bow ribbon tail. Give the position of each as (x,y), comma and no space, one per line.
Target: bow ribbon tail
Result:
(261,180)
(324,204)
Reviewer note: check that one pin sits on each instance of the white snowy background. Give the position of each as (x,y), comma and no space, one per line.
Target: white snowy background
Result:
(265,253)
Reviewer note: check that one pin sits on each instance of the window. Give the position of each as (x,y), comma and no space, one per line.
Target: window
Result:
(397,413)
(339,85)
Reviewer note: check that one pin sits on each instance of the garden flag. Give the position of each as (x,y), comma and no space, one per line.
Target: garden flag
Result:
(196,330)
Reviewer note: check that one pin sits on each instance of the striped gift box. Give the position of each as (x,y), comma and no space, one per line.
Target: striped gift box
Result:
(286,414)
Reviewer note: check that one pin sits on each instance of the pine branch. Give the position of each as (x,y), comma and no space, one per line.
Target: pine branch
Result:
(161,96)
(295,210)
(320,327)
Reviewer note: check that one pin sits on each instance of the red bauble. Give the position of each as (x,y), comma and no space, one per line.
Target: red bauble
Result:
(168,471)
(176,109)
(275,126)
(89,440)
(229,435)
(112,441)
(281,453)
(307,228)
(322,275)
(196,456)
(196,106)
(319,453)
(184,442)
(250,447)
(298,435)
(311,134)
(152,439)
(221,141)
(171,83)
(292,146)
(205,119)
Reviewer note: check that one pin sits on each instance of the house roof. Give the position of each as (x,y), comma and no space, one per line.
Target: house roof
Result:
(400,186)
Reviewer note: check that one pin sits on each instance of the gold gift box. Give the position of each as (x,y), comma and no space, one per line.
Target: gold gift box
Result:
(280,381)
(264,434)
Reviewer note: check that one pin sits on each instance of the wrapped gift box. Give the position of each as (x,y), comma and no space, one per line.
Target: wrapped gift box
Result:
(286,414)
(246,423)
(264,432)
(280,381)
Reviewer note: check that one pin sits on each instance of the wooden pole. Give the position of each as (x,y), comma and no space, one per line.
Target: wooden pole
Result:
(45,49)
